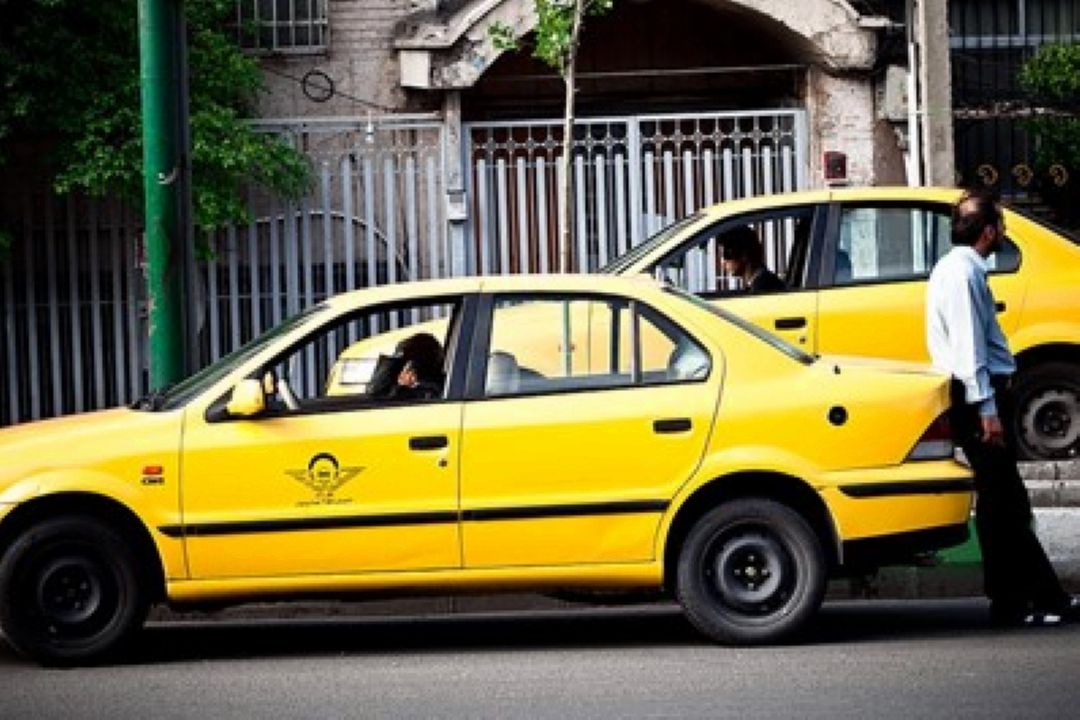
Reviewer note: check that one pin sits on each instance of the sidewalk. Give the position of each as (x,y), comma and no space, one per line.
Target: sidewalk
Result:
(1055,494)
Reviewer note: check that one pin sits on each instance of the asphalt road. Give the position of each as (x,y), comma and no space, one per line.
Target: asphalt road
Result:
(909,659)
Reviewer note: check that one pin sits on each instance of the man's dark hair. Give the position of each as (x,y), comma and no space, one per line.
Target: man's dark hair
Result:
(425,353)
(742,242)
(975,211)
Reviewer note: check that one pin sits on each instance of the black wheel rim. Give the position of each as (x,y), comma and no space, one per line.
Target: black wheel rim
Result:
(70,593)
(1050,424)
(750,571)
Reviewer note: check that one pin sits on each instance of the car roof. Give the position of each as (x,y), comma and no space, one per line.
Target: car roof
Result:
(403,291)
(845,194)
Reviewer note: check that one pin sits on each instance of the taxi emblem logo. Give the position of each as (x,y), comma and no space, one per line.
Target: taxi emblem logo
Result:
(325,476)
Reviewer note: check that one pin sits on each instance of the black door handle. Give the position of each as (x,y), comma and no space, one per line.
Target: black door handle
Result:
(428,442)
(672,425)
(792,323)
(999,306)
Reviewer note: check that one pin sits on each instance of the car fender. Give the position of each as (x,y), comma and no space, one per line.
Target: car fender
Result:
(1030,337)
(57,482)
(730,463)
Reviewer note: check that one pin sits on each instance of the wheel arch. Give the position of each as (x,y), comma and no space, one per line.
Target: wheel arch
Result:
(785,489)
(110,512)
(1050,352)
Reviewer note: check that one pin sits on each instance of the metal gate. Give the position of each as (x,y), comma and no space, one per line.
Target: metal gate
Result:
(72,288)
(631,176)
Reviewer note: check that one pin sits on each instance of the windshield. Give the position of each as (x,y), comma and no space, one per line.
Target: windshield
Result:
(182,393)
(767,337)
(620,264)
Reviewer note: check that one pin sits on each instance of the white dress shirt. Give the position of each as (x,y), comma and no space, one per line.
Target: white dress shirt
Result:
(962,330)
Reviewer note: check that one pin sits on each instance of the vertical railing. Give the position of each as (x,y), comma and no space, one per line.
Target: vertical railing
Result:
(632,176)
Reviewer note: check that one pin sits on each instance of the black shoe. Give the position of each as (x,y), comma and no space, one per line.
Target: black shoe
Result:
(1041,618)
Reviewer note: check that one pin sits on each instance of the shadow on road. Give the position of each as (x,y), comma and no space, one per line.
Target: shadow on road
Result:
(606,628)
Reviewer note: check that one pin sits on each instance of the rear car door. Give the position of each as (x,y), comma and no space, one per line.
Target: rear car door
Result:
(876,259)
(584,414)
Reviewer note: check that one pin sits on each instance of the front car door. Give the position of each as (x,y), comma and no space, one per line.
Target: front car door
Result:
(790,237)
(332,478)
(585,414)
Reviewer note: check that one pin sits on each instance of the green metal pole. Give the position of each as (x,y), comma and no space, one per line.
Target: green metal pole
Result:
(160,23)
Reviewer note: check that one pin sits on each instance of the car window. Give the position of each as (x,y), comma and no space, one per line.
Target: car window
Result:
(558,343)
(783,235)
(888,243)
(387,354)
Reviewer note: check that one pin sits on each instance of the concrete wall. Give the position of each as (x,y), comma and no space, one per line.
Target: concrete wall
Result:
(368,38)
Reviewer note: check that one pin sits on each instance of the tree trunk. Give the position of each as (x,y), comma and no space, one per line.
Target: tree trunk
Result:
(566,247)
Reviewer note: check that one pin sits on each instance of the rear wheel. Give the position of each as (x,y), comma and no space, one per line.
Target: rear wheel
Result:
(1048,412)
(751,571)
(69,591)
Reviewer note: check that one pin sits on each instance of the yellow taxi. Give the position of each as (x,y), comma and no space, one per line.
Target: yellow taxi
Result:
(855,262)
(724,466)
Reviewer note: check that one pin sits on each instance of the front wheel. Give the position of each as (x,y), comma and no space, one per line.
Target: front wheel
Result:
(1048,412)
(751,571)
(69,592)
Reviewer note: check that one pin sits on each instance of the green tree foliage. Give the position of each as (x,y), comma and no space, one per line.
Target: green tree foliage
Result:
(1052,76)
(555,43)
(69,78)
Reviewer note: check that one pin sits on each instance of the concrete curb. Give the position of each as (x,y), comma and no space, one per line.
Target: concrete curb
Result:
(1055,495)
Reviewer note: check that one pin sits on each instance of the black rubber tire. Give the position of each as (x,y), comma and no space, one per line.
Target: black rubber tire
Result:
(1047,423)
(751,571)
(70,592)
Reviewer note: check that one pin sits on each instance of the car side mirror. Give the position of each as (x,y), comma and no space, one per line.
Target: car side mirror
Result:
(248,399)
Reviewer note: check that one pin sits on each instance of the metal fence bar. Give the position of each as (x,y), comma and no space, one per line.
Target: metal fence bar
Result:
(54,312)
(115,250)
(601,215)
(11,332)
(543,241)
(501,203)
(34,365)
(580,215)
(75,349)
(621,211)
(95,311)
(482,216)
(436,241)
(522,215)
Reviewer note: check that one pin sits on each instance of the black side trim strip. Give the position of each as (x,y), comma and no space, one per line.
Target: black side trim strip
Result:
(551,511)
(301,524)
(432,518)
(912,487)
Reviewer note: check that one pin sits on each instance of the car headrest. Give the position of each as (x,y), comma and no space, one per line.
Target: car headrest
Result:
(503,375)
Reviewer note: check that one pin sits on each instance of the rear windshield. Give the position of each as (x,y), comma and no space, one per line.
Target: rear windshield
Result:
(763,335)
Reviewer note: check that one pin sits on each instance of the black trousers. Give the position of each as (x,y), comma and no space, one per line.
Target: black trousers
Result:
(1017,574)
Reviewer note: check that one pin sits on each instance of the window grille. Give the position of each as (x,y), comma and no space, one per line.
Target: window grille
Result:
(282,26)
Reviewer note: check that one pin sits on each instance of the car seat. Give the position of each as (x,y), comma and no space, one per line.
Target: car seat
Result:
(687,362)
(503,374)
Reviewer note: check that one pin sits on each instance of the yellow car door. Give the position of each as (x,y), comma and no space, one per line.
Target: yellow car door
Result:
(574,444)
(324,484)
(876,261)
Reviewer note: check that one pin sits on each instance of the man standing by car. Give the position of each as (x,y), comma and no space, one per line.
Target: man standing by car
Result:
(965,340)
